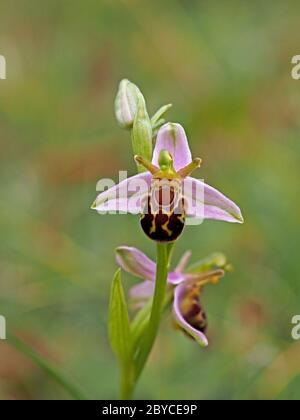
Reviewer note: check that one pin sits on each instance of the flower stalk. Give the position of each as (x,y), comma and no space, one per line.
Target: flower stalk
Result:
(166,199)
(131,373)
(126,383)
(157,306)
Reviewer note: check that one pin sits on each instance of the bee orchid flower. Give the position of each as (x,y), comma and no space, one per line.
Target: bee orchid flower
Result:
(172,163)
(185,286)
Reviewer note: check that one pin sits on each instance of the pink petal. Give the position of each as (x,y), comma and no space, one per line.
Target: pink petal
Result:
(136,262)
(175,277)
(181,266)
(124,197)
(142,290)
(196,334)
(172,137)
(207,202)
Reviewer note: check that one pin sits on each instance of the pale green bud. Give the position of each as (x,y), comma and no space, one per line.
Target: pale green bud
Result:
(126,103)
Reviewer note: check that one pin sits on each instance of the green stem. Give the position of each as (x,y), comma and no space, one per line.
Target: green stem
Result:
(163,252)
(145,326)
(126,383)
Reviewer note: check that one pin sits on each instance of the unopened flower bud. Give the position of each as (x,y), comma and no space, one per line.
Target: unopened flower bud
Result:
(126,103)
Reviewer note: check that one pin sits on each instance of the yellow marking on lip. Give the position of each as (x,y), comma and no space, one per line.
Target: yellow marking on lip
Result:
(166,229)
(181,218)
(153,227)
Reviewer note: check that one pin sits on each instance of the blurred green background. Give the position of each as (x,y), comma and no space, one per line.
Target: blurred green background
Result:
(226,68)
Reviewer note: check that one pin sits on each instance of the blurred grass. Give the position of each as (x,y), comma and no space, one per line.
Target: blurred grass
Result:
(226,68)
